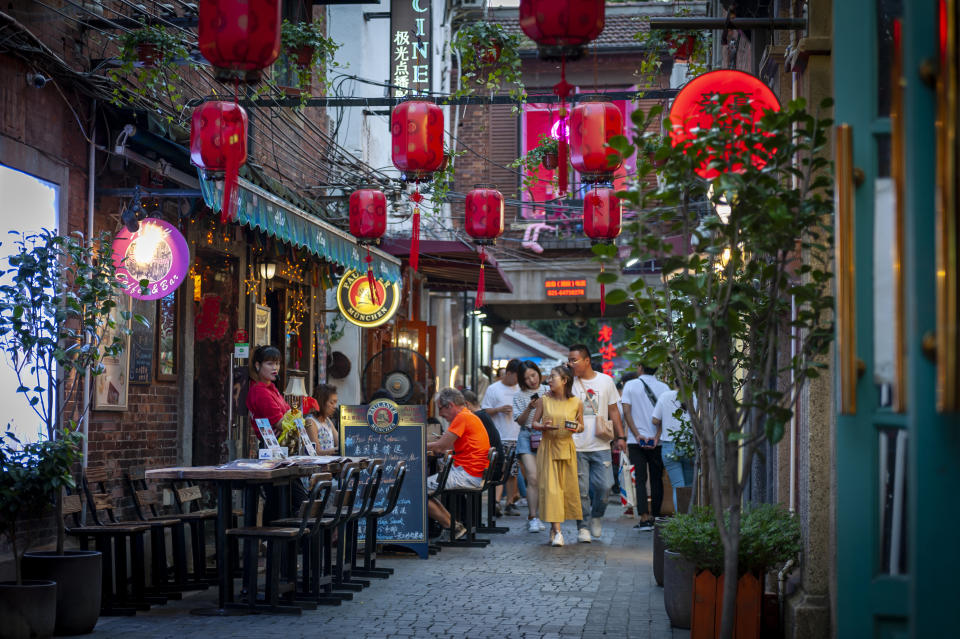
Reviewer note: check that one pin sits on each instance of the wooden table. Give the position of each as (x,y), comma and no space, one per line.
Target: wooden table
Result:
(248,479)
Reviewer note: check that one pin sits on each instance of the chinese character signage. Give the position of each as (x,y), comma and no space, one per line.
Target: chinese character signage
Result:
(607,350)
(410,40)
(566,288)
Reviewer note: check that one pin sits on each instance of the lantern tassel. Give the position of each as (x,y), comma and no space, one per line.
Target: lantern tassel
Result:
(603,294)
(371,281)
(415,231)
(228,209)
(481,280)
(562,90)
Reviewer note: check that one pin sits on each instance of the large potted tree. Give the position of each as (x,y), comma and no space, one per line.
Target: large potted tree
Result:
(57,301)
(742,314)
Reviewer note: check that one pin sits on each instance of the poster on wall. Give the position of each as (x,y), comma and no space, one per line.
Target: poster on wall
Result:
(142,341)
(110,387)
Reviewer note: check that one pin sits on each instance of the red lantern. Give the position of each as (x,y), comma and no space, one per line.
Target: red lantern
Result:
(218,145)
(368,222)
(687,115)
(601,221)
(239,37)
(484,223)
(416,127)
(592,125)
(561,27)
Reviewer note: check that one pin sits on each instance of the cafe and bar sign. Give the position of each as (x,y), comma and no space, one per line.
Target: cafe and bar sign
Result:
(566,287)
(156,252)
(359,306)
(410,41)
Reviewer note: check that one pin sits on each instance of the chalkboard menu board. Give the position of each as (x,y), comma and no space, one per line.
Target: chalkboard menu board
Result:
(393,433)
(141,341)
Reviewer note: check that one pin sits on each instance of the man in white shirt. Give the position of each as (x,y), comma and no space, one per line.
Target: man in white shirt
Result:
(679,469)
(599,395)
(643,441)
(498,404)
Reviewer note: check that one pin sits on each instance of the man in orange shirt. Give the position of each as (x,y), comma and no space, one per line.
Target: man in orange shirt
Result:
(468,439)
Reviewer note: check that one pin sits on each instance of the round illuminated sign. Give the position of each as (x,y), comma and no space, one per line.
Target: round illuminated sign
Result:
(688,117)
(157,252)
(383,416)
(359,307)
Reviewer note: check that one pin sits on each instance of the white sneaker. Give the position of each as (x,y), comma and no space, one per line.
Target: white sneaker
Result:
(521,502)
(542,526)
(584,536)
(557,539)
(535,525)
(596,528)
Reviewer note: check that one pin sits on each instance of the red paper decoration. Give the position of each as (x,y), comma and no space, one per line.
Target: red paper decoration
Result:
(239,37)
(218,145)
(416,129)
(687,116)
(601,214)
(592,125)
(368,222)
(561,27)
(484,223)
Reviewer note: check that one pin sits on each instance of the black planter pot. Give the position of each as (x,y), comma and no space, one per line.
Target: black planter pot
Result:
(77,573)
(677,588)
(657,553)
(27,611)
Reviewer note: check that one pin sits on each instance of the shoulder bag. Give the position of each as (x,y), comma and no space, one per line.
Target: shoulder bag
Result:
(604,428)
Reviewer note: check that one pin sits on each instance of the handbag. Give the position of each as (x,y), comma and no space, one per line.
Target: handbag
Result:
(604,427)
(535,437)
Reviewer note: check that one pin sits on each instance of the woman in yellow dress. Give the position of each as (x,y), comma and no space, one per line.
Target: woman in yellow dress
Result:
(558,416)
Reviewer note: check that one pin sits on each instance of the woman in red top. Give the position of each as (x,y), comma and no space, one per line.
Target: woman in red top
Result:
(264,401)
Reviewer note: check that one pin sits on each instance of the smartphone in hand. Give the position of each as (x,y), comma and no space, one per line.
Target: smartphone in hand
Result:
(571,426)
(534,397)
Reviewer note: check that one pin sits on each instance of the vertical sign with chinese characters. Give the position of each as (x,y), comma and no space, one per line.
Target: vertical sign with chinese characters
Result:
(607,350)
(410,40)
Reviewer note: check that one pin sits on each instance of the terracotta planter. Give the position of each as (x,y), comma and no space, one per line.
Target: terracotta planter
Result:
(148,53)
(550,161)
(487,53)
(28,610)
(301,56)
(708,603)
(677,588)
(78,575)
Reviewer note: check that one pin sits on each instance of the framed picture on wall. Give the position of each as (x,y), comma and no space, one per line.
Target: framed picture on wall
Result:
(168,342)
(111,386)
(261,326)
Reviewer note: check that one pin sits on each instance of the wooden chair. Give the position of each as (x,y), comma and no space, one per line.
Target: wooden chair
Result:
(369,567)
(445,464)
(278,539)
(186,496)
(500,479)
(348,530)
(463,504)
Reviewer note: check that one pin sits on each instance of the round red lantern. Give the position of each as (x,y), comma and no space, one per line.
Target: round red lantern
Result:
(688,117)
(368,215)
(239,37)
(601,214)
(218,145)
(561,27)
(484,223)
(592,124)
(416,127)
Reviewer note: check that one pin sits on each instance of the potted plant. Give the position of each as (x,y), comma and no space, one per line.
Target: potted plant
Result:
(545,154)
(306,47)
(742,316)
(55,307)
(488,58)
(660,45)
(151,56)
(30,476)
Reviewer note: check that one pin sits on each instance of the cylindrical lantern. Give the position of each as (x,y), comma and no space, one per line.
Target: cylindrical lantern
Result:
(561,27)
(601,214)
(592,125)
(239,37)
(218,145)
(416,127)
(484,223)
(368,214)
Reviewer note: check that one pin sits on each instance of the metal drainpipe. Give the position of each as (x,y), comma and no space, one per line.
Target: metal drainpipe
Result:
(91,190)
(781,580)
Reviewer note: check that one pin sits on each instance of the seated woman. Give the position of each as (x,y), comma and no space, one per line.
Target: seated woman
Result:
(318,418)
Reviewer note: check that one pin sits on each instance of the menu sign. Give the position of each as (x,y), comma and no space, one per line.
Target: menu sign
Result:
(393,433)
(410,40)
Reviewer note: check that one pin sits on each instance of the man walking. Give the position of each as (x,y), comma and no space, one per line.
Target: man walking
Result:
(643,442)
(498,404)
(599,395)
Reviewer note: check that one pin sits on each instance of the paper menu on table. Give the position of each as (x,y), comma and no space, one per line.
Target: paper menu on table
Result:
(267,434)
(308,448)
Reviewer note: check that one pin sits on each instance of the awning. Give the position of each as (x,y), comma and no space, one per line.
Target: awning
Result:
(261,210)
(450,265)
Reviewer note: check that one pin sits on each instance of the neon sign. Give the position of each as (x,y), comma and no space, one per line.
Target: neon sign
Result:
(566,288)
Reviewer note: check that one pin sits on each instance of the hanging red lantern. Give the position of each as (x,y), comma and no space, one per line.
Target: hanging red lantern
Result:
(416,129)
(561,27)
(239,38)
(592,124)
(601,221)
(484,223)
(218,145)
(368,222)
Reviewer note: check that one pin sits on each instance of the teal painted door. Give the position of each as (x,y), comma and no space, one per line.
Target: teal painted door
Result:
(897,471)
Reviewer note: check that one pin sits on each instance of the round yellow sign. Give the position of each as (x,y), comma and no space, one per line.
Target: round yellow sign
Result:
(359,306)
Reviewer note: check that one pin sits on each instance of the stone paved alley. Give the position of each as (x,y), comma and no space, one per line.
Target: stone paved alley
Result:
(516,587)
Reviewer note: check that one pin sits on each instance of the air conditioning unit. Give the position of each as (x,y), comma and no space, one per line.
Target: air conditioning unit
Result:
(470,4)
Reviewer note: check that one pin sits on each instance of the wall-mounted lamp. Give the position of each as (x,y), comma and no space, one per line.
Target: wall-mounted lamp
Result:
(134,212)
(267,270)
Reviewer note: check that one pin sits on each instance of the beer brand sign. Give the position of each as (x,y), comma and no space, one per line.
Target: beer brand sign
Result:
(359,306)
(410,41)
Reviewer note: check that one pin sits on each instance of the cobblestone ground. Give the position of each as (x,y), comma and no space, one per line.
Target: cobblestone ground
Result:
(518,586)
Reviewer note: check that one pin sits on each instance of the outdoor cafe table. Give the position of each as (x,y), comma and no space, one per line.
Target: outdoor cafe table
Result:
(249,479)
